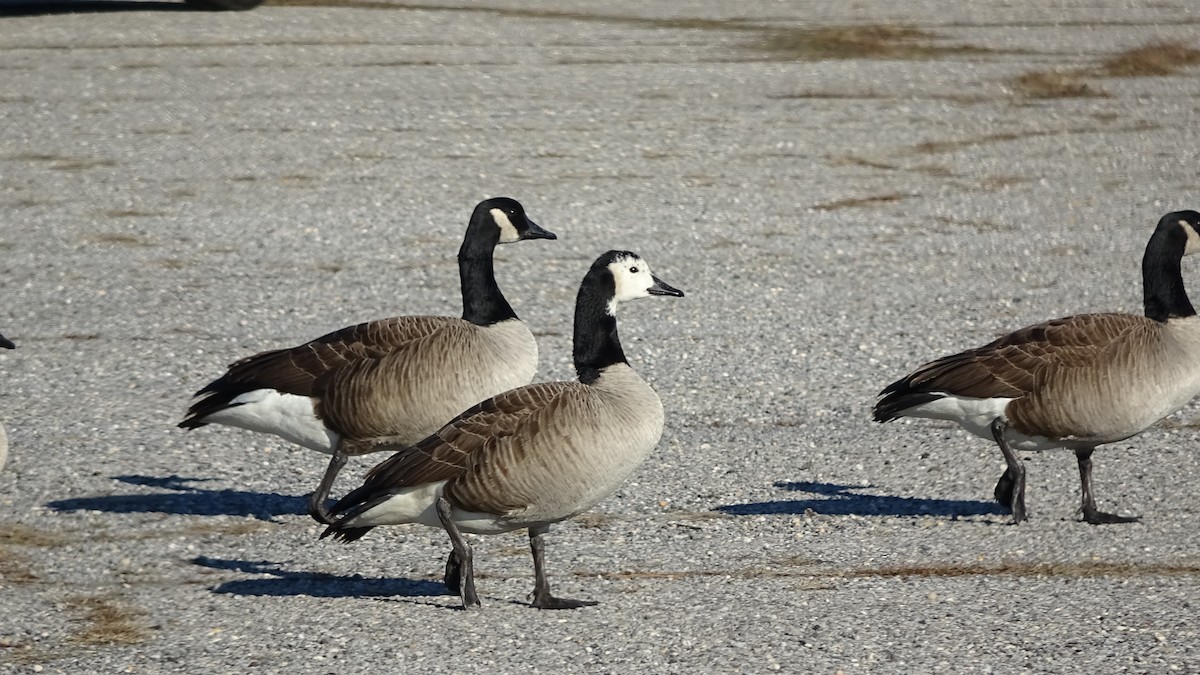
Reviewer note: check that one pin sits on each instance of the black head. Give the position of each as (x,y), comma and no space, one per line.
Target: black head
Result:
(509,221)
(6,343)
(1177,235)
(1182,227)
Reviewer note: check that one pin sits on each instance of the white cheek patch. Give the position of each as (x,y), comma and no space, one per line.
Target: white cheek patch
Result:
(1193,239)
(508,231)
(627,285)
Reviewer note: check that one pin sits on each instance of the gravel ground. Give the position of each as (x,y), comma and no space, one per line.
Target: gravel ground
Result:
(180,189)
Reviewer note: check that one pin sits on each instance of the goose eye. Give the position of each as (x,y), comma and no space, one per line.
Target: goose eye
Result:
(634,269)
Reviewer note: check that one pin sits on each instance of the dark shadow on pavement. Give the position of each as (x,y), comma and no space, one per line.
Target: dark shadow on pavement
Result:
(186,498)
(843,500)
(285,583)
(31,8)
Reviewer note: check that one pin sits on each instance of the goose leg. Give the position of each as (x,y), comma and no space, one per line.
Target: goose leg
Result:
(452,577)
(1004,489)
(462,553)
(541,587)
(316,501)
(1090,513)
(1015,472)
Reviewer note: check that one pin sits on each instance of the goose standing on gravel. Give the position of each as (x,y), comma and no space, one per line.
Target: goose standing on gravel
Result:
(531,456)
(6,344)
(389,381)
(1076,382)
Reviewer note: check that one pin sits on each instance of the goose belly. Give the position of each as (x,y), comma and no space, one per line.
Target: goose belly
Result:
(1109,410)
(566,473)
(287,416)
(572,490)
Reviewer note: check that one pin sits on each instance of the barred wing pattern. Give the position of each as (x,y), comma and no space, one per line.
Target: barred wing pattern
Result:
(459,446)
(1014,365)
(297,370)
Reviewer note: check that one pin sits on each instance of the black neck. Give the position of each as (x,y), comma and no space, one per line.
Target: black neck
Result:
(1162,274)
(483,303)
(597,344)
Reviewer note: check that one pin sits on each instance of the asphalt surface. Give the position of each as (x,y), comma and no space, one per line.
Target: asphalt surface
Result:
(180,189)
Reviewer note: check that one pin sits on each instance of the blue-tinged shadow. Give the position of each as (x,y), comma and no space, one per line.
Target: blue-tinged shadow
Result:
(34,8)
(186,498)
(315,584)
(846,500)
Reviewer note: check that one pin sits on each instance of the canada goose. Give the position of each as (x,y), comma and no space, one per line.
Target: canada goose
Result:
(6,344)
(388,381)
(1076,382)
(531,456)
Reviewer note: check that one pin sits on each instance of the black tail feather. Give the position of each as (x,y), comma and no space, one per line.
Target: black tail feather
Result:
(898,399)
(346,534)
(358,501)
(214,397)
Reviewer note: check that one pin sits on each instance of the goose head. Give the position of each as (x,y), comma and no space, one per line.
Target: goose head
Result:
(6,343)
(1189,222)
(631,278)
(508,218)
(1177,235)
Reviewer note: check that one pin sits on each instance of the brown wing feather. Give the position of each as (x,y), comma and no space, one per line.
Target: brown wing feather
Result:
(295,370)
(1013,365)
(363,398)
(455,448)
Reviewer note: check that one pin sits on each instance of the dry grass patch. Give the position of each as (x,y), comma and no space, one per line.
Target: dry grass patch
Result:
(934,147)
(800,566)
(1003,181)
(19,535)
(106,622)
(117,238)
(15,568)
(883,41)
(1150,60)
(1073,570)
(63,163)
(935,170)
(1054,84)
(855,202)
(855,160)
(134,213)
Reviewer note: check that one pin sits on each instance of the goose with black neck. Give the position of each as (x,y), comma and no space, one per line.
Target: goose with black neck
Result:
(532,456)
(390,381)
(1077,382)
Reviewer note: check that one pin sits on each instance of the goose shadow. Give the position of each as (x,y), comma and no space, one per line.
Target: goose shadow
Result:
(17,8)
(187,498)
(285,583)
(846,500)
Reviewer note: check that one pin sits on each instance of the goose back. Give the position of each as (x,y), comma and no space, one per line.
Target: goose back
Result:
(295,370)
(416,387)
